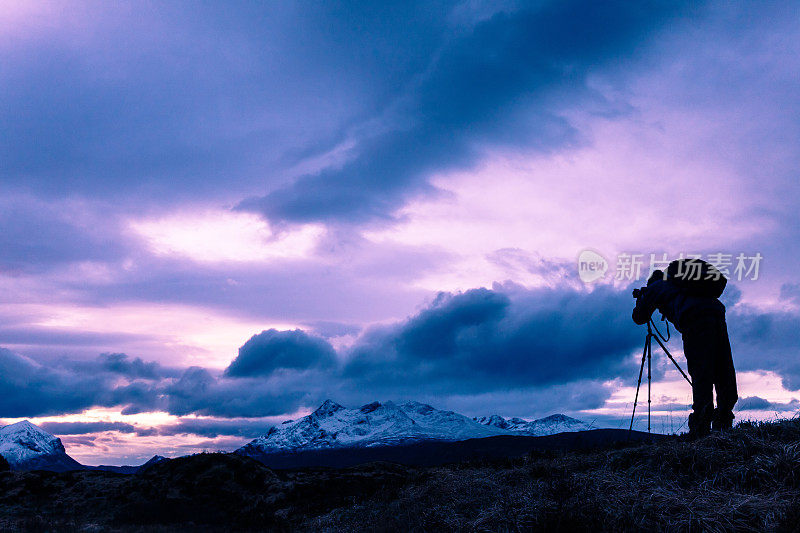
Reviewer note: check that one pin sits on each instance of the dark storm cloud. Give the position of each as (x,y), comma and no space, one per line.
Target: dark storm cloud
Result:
(32,388)
(28,388)
(205,427)
(80,428)
(127,366)
(164,101)
(273,350)
(505,81)
(215,428)
(120,363)
(199,392)
(509,337)
(756,403)
(766,340)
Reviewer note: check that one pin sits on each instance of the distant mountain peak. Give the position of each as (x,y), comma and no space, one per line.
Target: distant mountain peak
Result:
(23,424)
(26,446)
(327,408)
(156,459)
(26,438)
(27,428)
(556,418)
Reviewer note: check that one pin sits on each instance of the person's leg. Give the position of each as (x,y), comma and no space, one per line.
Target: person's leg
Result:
(699,346)
(724,381)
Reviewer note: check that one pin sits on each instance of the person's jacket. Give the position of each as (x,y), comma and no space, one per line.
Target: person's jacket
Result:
(674,303)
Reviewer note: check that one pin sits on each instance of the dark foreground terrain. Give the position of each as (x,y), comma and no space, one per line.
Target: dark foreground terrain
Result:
(747,479)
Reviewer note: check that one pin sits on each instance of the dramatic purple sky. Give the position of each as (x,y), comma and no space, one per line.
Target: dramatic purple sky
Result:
(214,216)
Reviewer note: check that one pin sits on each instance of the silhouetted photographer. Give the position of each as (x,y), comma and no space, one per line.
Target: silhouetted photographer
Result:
(688,296)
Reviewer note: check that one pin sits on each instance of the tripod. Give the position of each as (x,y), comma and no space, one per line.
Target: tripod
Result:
(647,356)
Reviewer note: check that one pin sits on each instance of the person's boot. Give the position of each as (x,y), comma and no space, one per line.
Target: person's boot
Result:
(722,421)
(699,426)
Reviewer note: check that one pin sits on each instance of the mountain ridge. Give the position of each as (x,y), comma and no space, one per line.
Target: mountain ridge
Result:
(333,426)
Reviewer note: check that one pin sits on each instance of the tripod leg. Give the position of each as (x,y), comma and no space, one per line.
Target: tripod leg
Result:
(649,381)
(673,361)
(639,382)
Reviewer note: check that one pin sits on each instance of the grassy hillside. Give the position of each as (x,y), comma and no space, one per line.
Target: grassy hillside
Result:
(747,479)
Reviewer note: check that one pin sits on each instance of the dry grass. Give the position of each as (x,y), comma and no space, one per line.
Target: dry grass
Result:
(744,480)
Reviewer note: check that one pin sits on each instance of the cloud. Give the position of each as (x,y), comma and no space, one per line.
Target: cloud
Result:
(350,279)
(765,339)
(126,366)
(503,82)
(120,363)
(162,104)
(217,427)
(505,338)
(273,350)
(790,292)
(81,441)
(81,428)
(28,388)
(198,392)
(38,235)
(557,348)
(756,403)
(482,340)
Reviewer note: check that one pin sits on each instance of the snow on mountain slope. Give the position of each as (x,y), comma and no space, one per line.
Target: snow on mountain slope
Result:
(446,425)
(549,425)
(374,424)
(27,447)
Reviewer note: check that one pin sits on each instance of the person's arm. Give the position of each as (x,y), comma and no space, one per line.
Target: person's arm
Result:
(645,305)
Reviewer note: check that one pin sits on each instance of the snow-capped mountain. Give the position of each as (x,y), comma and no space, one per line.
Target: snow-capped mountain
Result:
(383,424)
(549,425)
(28,447)
(374,424)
